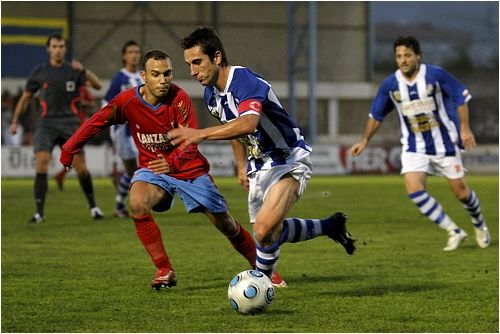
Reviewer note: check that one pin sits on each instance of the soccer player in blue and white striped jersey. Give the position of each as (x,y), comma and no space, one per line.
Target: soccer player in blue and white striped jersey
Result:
(432,108)
(278,166)
(127,77)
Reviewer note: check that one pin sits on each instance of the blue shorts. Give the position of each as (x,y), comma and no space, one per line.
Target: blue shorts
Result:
(197,194)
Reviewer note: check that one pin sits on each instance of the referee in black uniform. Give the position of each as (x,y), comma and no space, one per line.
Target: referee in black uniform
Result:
(58,83)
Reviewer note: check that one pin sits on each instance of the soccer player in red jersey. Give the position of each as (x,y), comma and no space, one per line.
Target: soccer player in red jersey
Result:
(151,110)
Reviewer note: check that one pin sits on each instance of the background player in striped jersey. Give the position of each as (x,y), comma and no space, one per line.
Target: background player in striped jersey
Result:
(127,77)
(434,117)
(58,83)
(151,110)
(278,165)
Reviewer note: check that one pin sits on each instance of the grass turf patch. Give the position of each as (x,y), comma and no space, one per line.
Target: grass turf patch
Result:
(74,274)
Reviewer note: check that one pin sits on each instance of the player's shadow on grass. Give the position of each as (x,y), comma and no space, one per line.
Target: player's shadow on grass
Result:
(210,285)
(378,289)
(385,289)
(311,278)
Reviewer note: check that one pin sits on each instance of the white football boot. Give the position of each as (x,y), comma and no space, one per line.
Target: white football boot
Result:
(96,213)
(36,219)
(454,239)
(483,237)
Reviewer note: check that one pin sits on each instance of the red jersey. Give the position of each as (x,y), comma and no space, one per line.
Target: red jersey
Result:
(149,125)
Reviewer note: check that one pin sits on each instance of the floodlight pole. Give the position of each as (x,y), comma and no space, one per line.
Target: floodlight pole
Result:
(312,72)
(295,46)
(71,30)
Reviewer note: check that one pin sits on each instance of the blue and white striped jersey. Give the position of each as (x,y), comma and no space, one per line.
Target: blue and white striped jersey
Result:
(277,139)
(427,109)
(122,80)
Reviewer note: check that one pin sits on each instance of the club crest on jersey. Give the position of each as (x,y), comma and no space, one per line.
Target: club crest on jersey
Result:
(70,86)
(397,95)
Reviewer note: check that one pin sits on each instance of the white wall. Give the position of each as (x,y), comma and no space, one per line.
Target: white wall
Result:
(327,160)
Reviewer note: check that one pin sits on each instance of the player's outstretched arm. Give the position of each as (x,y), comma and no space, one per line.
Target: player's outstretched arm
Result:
(240,127)
(371,127)
(102,119)
(66,160)
(240,156)
(466,134)
(20,108)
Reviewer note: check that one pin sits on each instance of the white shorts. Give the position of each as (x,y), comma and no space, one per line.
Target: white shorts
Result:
(123,142)
(261,182)
(449,167)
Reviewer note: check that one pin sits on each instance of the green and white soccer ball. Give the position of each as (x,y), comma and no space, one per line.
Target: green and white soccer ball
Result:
(250,292)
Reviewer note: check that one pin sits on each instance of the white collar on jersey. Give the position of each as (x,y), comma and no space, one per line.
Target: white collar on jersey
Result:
(422,70)
(229,80)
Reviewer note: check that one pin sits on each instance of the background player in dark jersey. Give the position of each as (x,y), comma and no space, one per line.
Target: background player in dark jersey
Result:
(151,110)
(87,106)
(58,83)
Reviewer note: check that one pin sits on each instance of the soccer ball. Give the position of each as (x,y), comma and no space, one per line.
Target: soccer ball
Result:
(250,292)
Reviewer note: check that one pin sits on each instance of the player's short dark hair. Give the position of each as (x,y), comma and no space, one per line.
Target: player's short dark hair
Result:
(408,41)
(156,54)
(129,43)
(57,36)
(126,45)
(209,41)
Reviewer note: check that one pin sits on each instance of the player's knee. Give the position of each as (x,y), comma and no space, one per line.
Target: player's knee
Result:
(462,194)
(461,190)
(138,206)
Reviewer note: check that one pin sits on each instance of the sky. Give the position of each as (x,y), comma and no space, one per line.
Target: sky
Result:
(477,17)
(476,21)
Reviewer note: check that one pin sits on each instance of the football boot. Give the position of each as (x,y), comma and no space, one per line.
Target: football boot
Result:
(36,219)
(483,237)
(454,239)
(165,278)
(96,213)
(339,232)
(277,280)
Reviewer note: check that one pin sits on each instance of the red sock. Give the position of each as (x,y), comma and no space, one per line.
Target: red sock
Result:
(150,236)
(243,242)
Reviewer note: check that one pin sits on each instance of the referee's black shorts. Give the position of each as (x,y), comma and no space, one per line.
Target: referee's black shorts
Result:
(54,131)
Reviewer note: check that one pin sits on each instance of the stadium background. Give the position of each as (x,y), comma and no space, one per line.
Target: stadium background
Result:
(353,53)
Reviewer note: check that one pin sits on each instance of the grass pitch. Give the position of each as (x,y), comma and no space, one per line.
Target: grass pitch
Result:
(73,274)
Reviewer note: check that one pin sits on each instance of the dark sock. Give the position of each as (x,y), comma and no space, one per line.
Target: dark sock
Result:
(41,186)
(88,189)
